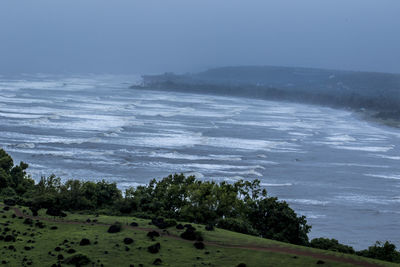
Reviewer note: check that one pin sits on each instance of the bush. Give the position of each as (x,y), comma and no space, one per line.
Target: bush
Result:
(331,244)
(386,252)
(115,228)
(236,225)
(163,224)
(191,234)
(53,211)
(154,248)
(84,242)
(77,260)
(8,192)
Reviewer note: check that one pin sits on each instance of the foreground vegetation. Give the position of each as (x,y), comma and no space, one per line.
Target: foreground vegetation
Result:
(84,239)
(242,207)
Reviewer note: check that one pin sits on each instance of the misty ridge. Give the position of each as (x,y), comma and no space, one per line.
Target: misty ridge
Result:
(374,94)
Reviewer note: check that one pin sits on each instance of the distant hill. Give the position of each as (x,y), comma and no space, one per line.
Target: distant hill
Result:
(378,93)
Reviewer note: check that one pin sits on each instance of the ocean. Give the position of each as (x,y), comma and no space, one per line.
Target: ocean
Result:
(341,172)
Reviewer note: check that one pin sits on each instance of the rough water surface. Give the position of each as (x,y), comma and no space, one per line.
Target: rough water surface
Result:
(341,172)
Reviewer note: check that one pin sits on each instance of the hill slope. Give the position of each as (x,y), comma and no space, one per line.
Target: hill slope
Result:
(49,241)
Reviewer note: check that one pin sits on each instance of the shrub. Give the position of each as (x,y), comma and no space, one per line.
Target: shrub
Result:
(128,240)
(199,245)
(236,225)
(77,260)
(115,228)
(386,252)
(331,244)
(84,242)
(191,234)
(154,248)
(56,212)
(153,234)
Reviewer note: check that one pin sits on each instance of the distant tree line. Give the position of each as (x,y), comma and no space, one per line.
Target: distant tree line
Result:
(242,206)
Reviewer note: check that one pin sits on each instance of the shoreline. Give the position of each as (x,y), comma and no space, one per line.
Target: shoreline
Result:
(365,115)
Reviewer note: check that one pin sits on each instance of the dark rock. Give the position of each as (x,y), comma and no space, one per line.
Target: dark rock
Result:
(60,257)
(127,249)
(84,242)
(153,234)
(154,248)
(157,261)
(88,220)
(134,224)
(320,262)
(6,208)
(57,249)
(27,248)
(241,265)
(199,245)
(128,240)
(53,228)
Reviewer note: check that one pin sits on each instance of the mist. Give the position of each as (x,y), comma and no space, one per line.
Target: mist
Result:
(98,36)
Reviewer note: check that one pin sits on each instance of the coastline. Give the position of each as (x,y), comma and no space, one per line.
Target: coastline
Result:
(362,114)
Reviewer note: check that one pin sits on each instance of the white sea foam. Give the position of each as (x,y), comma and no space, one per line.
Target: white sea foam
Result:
(366,148)
(198,175)
(384,176)
(308,202)
(341,138)
(273,185)
(362,199)
(129,184)
(25,145)
(387,156)
(361,165)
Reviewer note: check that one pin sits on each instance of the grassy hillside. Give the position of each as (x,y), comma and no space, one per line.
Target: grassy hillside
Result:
(57,241)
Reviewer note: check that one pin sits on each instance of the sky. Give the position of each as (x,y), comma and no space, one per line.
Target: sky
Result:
(152,36)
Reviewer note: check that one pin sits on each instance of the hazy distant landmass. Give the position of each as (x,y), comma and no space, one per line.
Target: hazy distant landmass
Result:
(378,94)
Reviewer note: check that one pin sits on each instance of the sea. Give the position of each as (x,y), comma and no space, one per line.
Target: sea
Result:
(341,172)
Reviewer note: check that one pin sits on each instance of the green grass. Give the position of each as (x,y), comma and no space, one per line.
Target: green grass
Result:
(174,251)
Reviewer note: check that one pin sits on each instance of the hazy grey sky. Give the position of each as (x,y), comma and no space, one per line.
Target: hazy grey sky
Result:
(129,36)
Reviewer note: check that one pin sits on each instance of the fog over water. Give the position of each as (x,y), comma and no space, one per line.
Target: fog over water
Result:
(341,172)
